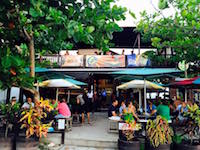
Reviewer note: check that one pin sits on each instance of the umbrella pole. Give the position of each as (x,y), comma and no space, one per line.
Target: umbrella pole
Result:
(56,94)
(38,89)
(140,99)
(68,96)
(185,95)
(145,98)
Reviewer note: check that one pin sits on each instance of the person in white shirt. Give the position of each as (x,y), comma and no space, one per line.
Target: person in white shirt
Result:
(88,104)
(28,104)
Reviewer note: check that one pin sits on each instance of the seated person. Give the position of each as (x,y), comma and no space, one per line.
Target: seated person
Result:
(177,102)
(13,100)
(54,104)
(132,109)
(163,110)
(182,108)
(122,108)
(63,110)
(28,104)
(54,112)
(112,110)
(151,108)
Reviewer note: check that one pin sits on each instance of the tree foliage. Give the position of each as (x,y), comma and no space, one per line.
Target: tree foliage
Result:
(179,31)
(54,25)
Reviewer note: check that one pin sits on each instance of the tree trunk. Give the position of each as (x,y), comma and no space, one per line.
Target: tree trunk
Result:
(32,65)
(34,92)
(32,57)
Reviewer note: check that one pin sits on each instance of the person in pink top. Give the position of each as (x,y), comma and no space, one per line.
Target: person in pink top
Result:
(63,109)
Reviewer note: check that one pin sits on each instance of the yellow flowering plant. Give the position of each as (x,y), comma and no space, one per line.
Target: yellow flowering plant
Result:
(32,119)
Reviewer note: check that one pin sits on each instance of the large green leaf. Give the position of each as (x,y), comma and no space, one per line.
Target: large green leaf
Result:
(33,12)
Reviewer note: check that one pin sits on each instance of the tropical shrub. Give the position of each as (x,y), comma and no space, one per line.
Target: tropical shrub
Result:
(159,132)
(11,115)
(193,125)
(32,119)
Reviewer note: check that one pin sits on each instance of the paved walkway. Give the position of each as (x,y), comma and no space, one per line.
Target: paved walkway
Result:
(96,131)
(92,136)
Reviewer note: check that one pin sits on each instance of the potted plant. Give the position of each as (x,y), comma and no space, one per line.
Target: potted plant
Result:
(190,139)
(159,134)
(11,114)
(127,139)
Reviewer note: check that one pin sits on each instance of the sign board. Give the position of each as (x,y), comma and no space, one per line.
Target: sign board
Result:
(61,124)
(183,66)
(72,61)
(131,60)
(124,126)
(110,61)
(137,61)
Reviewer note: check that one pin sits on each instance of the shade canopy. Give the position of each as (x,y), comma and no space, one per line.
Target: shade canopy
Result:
(55,75)
(145,72)
(185,82)
(197,81)
(139,84)
(38,69)
(76,82)
(58,83)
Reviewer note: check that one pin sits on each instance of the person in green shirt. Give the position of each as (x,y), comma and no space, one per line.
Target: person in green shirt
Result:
(163,110)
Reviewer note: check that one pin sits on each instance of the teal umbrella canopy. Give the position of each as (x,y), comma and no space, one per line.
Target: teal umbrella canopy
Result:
(197,81)
(76,82)
(147,71)
(38,69)
(55,75)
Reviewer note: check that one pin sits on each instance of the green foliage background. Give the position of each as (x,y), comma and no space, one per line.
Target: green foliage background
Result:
(180,31)
(55,25)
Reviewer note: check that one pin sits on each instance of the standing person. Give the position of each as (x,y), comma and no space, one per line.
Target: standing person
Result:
(63,109)
(112,110)
(88,104)
(80,108)
(104,96)
(28,103)
(95,101)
